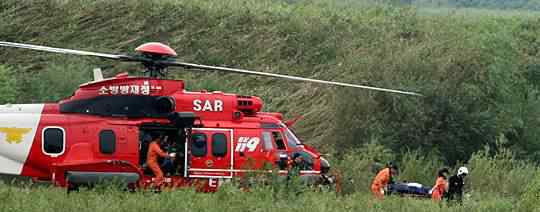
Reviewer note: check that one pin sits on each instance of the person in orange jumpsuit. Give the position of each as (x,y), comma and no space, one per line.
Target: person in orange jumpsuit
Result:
(382,179)
(154,153)
(441,185)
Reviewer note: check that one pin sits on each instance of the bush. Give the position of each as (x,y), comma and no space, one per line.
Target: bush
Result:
(529,200)
(500,172)
(9,89)
(359,166)
(57,81)
(420,167)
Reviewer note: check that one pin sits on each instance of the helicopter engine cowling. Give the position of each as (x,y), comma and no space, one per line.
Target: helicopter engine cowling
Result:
(249,104)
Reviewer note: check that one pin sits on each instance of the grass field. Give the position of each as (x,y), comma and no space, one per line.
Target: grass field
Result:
(472,13)
(497,183)
(44,199)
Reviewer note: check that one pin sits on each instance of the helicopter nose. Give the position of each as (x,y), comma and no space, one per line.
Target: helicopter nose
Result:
(325,166)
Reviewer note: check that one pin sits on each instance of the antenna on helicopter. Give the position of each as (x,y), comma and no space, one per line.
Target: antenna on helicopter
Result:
(98,75)
(157,57)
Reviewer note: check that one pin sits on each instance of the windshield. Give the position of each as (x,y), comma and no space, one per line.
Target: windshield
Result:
(292,140)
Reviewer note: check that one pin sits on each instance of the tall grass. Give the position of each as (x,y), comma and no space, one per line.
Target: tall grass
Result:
(496,180)
(485,190)
(501,174)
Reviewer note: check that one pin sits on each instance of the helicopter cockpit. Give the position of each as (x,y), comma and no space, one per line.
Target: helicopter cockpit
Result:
(292,140)
(288,146)
(306,153)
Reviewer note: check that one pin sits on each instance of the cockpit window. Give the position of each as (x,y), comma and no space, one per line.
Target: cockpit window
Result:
(267,142)
(292,140)
(270,126)
(279,140)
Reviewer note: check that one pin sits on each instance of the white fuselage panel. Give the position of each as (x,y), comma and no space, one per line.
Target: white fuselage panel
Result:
(18,125)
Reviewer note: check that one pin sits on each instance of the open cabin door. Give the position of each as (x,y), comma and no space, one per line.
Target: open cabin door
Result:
(211,153)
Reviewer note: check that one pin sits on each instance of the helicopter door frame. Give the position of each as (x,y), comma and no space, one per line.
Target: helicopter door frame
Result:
(231,150)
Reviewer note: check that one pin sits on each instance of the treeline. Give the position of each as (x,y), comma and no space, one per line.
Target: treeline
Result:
(480,76)
(484,4)
(479,4)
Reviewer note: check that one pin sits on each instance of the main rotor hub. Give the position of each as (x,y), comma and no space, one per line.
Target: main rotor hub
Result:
(155,52)
(156,48)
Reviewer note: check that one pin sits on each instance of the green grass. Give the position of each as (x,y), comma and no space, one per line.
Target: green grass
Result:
(476,12)
(495,183)
(228,199)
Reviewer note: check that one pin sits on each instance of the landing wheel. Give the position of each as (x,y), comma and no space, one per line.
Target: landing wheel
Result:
(132,187)
(72,187)
(331,182)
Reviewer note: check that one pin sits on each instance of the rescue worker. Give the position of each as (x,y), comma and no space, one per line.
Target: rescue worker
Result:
(296,165)
(168,165)
(154,153)
(382,179)
(455,185)
(441,185)
(301,162)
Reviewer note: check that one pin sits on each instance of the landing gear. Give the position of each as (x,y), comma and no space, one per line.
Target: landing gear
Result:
(71,187)
(331,182)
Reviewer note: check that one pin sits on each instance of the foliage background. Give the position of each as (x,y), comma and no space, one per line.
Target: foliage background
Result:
(479,74)
(478,69)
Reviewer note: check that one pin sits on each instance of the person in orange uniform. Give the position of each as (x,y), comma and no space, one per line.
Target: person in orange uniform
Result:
(441,185)
(382,179)
(154,153)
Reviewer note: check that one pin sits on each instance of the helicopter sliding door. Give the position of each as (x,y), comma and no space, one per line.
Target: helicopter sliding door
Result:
(211,153)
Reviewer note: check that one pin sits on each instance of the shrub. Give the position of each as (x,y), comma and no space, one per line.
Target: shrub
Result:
(529,199)
(9,89)
(500,173)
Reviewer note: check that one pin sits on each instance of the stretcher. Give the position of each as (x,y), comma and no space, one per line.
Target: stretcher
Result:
(409,189)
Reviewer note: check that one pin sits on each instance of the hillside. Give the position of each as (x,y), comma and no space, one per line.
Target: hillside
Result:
(479,75)
(479,72)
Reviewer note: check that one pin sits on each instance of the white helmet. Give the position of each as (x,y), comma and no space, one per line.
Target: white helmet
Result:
(462,170)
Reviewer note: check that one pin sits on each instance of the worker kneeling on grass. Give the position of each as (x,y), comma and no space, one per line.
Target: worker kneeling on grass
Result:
(382,179)
(441,185)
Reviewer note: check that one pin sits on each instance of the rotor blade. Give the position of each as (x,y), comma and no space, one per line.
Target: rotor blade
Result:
(242,71)
(67,51)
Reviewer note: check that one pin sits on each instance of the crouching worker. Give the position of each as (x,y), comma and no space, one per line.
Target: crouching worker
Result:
(441,185)
(154,153)
(382,179)
(455,185)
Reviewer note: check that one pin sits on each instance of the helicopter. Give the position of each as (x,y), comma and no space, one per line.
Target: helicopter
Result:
(98,133)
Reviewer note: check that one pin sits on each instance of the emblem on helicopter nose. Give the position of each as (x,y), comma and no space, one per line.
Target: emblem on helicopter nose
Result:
(13,134)
(209,163)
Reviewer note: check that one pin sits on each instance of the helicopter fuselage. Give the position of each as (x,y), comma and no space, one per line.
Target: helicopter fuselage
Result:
(98,133)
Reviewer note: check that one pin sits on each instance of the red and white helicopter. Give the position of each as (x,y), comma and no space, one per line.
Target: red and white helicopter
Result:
(97,133)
